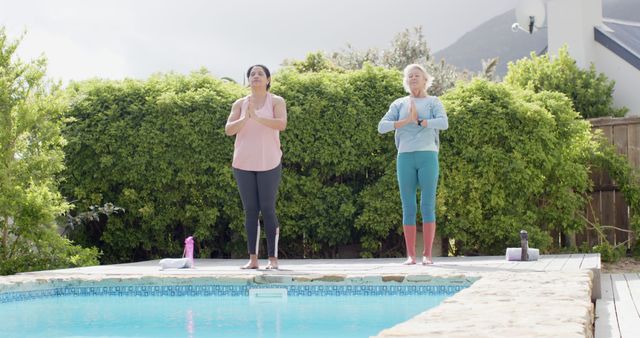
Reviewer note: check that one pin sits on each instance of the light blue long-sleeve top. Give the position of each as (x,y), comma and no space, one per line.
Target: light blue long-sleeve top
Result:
(413,137)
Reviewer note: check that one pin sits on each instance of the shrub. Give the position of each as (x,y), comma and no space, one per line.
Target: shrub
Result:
(590,92)
(47,252)
(512,159)
(609,253)
(31,159)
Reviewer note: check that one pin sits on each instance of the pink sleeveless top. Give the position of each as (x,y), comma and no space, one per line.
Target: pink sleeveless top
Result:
(257,147)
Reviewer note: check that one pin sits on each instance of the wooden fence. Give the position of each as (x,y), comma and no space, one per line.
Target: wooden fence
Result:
(607,202)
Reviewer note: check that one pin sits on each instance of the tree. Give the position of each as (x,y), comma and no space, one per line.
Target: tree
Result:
(406,48)
(352,59)
(314,62)
(31,116)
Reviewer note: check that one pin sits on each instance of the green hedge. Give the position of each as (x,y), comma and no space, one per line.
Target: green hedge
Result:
(333,153)
(157,149)
(512,159)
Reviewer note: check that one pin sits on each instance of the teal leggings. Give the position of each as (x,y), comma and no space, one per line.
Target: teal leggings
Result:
(418,168)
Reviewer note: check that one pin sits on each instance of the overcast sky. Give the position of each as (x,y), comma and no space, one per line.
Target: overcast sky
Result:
(135,38)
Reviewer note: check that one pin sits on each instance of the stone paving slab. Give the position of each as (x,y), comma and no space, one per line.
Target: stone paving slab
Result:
(507,304)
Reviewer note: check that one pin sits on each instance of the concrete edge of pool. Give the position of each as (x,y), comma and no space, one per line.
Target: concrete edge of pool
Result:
(502,302)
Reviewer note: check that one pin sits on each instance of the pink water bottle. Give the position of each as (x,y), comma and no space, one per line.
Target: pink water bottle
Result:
(188,251)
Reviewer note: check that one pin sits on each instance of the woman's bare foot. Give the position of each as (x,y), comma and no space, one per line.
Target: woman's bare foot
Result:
(253,263)
(273,264)
(427,261)
(410,261)
(250,265)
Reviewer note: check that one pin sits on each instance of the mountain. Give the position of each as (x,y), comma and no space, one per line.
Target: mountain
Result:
(494,38)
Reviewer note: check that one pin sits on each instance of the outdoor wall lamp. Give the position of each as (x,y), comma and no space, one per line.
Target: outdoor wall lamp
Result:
(530,16)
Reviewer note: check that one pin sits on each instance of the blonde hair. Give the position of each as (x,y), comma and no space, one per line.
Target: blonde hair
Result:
(405,81)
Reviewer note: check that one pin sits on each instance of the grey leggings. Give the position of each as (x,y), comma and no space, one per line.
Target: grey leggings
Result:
(258,191)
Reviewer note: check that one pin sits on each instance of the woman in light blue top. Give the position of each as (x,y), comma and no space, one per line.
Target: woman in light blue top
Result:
(417,120)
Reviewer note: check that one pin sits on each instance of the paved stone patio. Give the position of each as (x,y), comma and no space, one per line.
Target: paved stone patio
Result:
(551,297)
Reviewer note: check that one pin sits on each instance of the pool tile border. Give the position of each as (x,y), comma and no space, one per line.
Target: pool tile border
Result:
(214,290)
(199,287)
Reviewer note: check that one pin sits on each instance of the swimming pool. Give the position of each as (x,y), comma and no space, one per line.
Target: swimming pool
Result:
(211,310)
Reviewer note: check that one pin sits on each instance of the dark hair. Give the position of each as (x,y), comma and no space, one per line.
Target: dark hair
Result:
(266,71)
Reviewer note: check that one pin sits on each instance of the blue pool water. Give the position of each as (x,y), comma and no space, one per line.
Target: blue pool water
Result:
(217,316)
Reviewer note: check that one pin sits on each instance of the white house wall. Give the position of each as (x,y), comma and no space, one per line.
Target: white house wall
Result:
(627,77)
(571,22)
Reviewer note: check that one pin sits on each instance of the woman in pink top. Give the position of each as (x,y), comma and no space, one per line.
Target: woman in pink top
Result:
(256,121)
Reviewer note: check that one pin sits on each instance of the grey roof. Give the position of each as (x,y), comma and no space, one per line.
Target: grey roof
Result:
(622,38)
